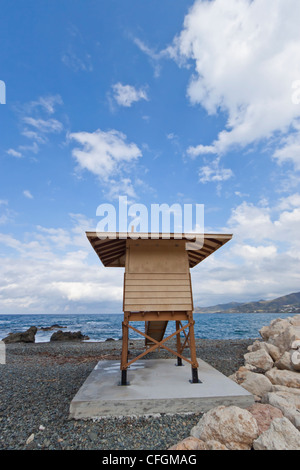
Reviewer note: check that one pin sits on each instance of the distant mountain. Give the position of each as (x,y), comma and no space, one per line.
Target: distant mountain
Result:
(286,304)
(218,308)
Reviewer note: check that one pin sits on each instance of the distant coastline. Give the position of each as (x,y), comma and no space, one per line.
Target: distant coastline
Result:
(286,304)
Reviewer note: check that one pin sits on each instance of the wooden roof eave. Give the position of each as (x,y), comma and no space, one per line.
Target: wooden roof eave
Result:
(111,248)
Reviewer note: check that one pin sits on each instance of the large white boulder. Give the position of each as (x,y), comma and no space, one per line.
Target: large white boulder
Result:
(259,359)
(264,414)
(288,403)
(286,338)
(281,435)
(287,378)
(257,384)
(284,362)
(295,320)
(234,427)
(271,349)
(190,443)
(276,327)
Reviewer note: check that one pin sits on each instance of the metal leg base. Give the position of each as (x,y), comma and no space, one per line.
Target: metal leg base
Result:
(124,378)
(195,379)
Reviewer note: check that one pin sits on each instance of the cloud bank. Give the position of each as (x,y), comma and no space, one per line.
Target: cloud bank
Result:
(243,56)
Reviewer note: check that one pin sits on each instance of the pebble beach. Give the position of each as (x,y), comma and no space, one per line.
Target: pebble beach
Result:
(39,380)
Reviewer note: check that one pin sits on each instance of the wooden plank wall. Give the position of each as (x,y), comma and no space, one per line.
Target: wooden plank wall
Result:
(157,277)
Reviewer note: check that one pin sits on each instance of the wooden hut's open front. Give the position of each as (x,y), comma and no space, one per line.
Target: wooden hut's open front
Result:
(157,287)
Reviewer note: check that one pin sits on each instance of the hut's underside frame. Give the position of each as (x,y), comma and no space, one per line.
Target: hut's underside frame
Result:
(189,340)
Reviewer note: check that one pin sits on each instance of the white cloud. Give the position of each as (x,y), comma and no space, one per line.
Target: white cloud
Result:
(253,253)
(123,186)
(34,148)
(35,136)
(47,103)
(58,236)
(36,124)
(6,214)
(213,173)
(125,95)
(200,150)
(239,194)
(14,153)
(289,150)
(289,202)
(248,221)
(280,223)
(154,57)
(77,61)
(35,284)
(44,126)
(244,57)
(260,262)
(75,55)
(56,269)
(85,291)
(27,194)
(62,238)
(104,153)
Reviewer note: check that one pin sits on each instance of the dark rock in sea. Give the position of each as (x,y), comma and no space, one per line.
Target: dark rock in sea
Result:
(22,337)
(109,339)
(68,336)
(53,327)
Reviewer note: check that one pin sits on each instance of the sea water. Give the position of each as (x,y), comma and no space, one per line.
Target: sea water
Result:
(100,327)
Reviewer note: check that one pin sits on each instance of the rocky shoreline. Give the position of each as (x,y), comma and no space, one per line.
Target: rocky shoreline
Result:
(271,372)
(39,381)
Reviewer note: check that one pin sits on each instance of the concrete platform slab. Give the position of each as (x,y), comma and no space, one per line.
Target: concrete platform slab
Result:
(155,386)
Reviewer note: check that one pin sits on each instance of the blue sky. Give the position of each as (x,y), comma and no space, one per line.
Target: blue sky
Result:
(165,102)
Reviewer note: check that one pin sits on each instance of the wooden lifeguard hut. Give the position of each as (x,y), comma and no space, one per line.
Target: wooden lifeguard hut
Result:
(157,287)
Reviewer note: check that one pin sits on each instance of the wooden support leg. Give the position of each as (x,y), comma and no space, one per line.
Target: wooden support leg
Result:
(195,378)
(179,360)
(124,356)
